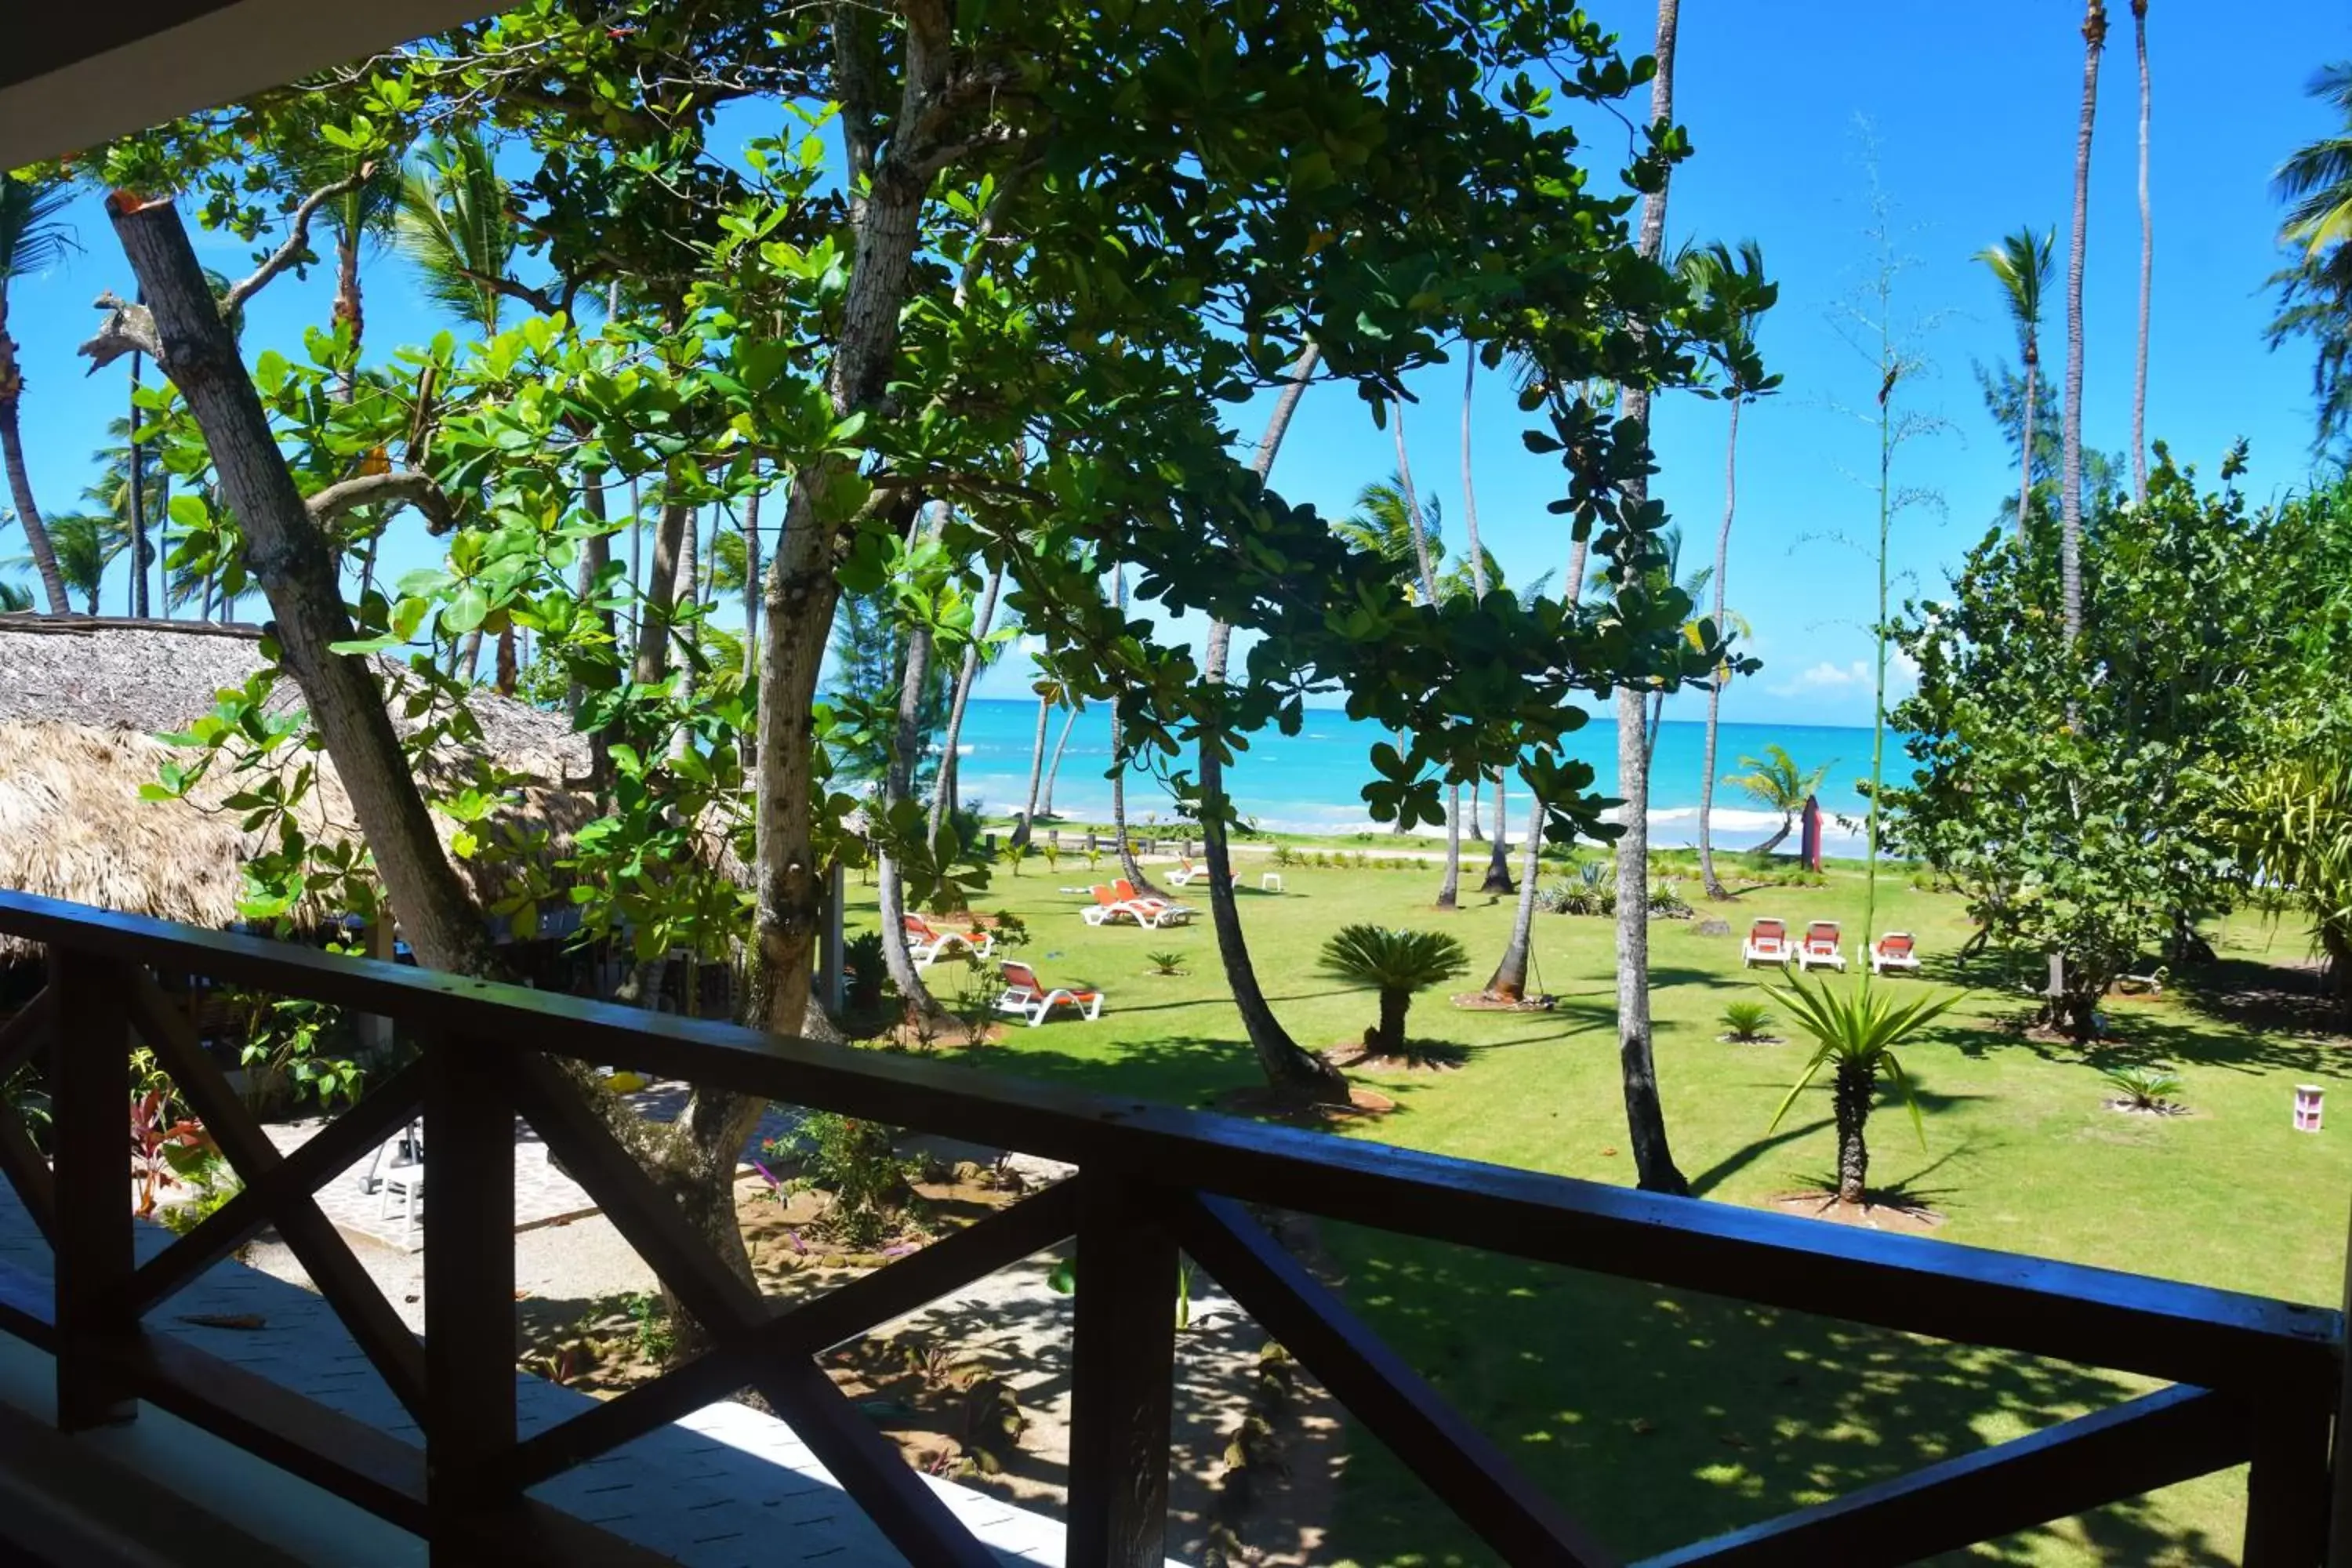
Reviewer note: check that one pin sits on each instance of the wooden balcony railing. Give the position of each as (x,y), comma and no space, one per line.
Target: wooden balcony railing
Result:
(2252,1380)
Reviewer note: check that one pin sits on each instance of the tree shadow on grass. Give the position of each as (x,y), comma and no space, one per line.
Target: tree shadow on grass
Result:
(1659,1416)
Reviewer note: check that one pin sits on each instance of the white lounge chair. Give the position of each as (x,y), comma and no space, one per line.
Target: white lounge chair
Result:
(1152,912)
(1896,950)
(1024,998)
(1767,942)
(925,942)
(1821,949)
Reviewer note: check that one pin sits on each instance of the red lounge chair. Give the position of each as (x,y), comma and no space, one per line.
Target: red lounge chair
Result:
(1896,950)
(1767,942)
(1025,997)
(1821,948)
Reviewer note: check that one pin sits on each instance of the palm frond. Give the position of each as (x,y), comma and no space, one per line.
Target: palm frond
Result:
(456,224)
(34,235)
(2020,263)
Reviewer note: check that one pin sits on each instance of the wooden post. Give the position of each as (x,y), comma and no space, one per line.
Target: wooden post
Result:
(1124,1364)
(91,1077)
(830,947)
(2287,1488)
(2340,1537)
(374,1029)
(470,1325)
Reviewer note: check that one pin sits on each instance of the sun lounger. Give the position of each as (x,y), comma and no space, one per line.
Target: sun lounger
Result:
(1821,948)
(1110,908)
(1767,942)
(1151,910)
(1025,997)
(925,942)
(1896,950)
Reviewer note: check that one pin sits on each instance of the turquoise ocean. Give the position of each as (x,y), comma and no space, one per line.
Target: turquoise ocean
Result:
(1312,781)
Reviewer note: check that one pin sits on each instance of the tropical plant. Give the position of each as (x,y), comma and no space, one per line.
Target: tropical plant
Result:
(1747,1021)
(1165,962)
(853,1161)
(454,222)
(2315,287)
(2154,1090)
(1855,1033)
(81,546)
(14,599)
(2021,264)
(1383,525)
(862,957)
(165,1146)
(1732,284)
(1396,963)
(2070,494)
(2147,267)
(1775,782)
(2291,831)
(32,238)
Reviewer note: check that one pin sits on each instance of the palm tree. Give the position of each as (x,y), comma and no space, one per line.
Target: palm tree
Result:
(1048,688)
(81,545)
(14,599)
(1127,861)
(1736,279)
(977,653)
(1498,849)
(2070,498)
(453,220)
(2315,287)
(1054,768)
(1424,546)
(1383,525)
(1774,781)
(1855,1035)
(32,238)
(121,491)
(2021,264)
(2146,269)
(1396,963)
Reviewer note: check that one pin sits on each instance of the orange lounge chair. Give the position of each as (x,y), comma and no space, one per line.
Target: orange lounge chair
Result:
(1896,950)
(1025,997)
(1767,942)
(1152,912)
(1821,948)
(925,942)
(1109,908)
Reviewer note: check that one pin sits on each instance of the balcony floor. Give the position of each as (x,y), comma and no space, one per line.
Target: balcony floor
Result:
(726,1487)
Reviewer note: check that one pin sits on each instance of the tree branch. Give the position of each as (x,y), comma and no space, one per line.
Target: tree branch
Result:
(297,243)
(407,486)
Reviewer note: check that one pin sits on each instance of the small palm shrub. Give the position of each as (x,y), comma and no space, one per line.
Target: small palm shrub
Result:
(1667,903)
(1855,1033)
(1396,963)
(1745,1020)
(868,969)
(1165,962)
(2151,1089)
(1284,855)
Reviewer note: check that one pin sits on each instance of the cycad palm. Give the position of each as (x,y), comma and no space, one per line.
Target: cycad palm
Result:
(456,224)
(1855,1034)
(32,238)
(2021,264)
(2315,288)
(1396,963)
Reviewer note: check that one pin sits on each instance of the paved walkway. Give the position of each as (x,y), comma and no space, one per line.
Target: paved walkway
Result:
(543,1195)
(725,1487)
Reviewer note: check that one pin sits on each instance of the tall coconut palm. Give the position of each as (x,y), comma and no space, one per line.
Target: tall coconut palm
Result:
(454,222)
(1735,279)
(2070,498)
(1449,890)
(1049,691)
(32,238)
(1775,782)
(976,654)
(81,546)
(2021,264)
(1126,860)
(1054,768)
(14,599)
(1499,850)
(2315,286)
(2147,268)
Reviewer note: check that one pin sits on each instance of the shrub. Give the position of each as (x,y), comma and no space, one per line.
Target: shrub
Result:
(1747,1020)
(868,969)
(1165,962)
(1854,1035)
(1667,903)
(1396,963)
(2145,1088)
(852,1160)
(1284,854)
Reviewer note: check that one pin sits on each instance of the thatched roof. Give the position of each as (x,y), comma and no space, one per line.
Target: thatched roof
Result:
(78,713)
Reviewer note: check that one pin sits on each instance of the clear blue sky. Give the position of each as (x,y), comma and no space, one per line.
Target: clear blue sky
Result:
(1974,114)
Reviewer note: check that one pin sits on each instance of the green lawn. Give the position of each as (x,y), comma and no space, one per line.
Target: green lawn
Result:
(1658,1416)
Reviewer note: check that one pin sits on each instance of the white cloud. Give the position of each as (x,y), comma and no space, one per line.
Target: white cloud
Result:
(1824,677)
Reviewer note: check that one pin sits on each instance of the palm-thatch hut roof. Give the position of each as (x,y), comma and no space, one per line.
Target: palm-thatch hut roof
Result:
(81,705)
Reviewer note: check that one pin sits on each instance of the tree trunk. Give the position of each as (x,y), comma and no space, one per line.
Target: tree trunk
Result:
(752,583)
(898,787)
(1126,860)
(1388,1035)
(660,595)
(1852,1094)
(1022,829)
(1498,852)
(20,483)
(1706,876)
(2147,268)
(138,519)
(1787,826)
(1054,768)
(1471,829)
(2025,468)
(1645,1117)
(508,669)
(1449,891)
(1509,980)
(2070,499)
(465,661)
(943,799)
